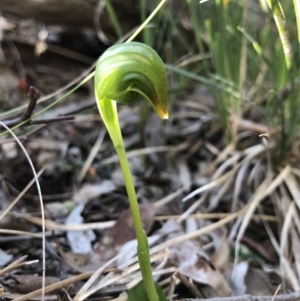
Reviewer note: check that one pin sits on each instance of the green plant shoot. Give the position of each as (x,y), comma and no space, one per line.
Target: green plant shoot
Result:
(123,73)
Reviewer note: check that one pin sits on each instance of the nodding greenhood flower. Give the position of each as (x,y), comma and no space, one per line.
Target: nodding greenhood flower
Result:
(125,71)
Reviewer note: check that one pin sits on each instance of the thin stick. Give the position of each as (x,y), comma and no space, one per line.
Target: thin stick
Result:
(25,119)
(51,120)
(191,286)
(41,203)
(265,189)
(81,77)
(276,293)
(34,95)
(4,212)
(16,266)
(55,286)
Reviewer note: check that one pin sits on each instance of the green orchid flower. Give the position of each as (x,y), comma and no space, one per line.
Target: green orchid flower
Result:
(123,73)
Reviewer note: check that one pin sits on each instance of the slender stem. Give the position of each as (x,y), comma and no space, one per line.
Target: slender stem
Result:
(137,221)
(143,248)
(108,111)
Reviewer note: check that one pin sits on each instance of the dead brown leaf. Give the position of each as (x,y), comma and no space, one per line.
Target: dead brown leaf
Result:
(251,277)
(112,240)
(192,261)
(123,230)
(24,284)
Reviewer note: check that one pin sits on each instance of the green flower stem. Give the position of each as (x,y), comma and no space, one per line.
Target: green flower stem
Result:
(109,114)
(142,247)
(123,73)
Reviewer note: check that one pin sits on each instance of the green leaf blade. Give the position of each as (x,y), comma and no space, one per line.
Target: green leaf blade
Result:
(138,293)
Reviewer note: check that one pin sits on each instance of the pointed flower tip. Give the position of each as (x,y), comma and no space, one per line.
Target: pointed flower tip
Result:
(165,116)
(162,113)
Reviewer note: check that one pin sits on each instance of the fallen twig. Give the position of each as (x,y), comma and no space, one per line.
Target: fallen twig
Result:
(191,286)
(51,120)
(55,286)
(34,95)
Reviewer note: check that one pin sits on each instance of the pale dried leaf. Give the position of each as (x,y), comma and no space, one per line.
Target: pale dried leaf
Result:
(91,191)
(5,258)
(10,150)
(80,241)
(184,174)
(251,277)
(79,262)
(192,261)
(218,247)
(238,278)
(220,258)
(47,144)
(202,270)
(57,209)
